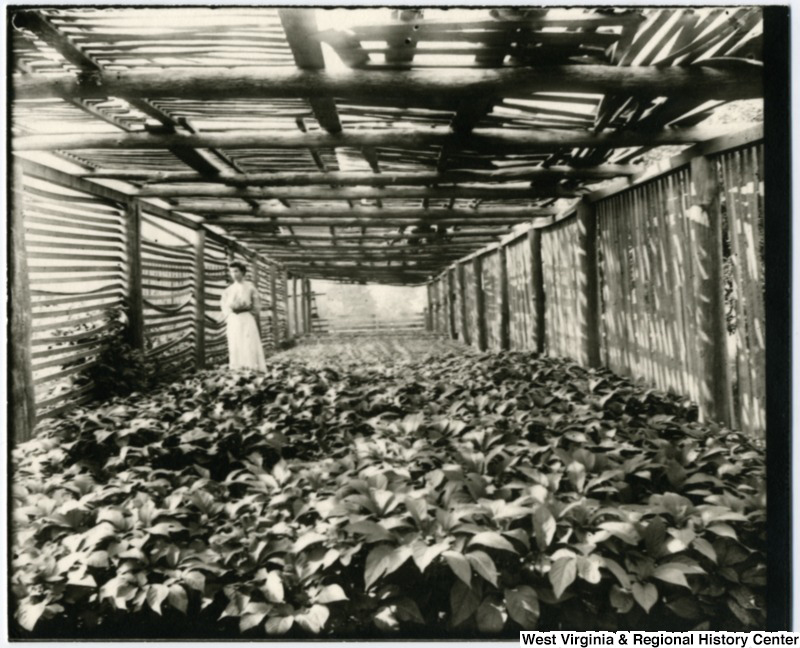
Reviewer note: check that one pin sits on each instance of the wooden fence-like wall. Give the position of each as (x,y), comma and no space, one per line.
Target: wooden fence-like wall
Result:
(87,257)
(75,247)
(661,280)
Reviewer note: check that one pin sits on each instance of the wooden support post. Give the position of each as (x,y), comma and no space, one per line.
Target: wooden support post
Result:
(295,307)
(273,287)
(287,323)
(716,400)
(480,310)
(462,293)
(23,407)
(307,305)
(200,300)
(505,319)
(256,282)
(133,238)
(452,330)
(537,290)
(431,320)
(588,301)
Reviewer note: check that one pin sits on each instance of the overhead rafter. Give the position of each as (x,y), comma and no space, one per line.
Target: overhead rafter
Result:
(386,212)
(492,140)
(358,193)
(355,178)
(742,81)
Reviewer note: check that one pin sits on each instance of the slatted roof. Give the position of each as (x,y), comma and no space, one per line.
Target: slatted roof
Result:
(377,144)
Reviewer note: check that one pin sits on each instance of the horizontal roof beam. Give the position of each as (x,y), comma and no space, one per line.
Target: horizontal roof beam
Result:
(450,85)
(257,222)
(386,178)
(220,208)
(358,193)
(490,235)
(494,140)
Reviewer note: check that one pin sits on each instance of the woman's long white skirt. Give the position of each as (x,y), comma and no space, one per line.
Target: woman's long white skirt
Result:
(244,343)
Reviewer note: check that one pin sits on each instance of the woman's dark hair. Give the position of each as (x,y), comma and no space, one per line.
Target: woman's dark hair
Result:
(238,264)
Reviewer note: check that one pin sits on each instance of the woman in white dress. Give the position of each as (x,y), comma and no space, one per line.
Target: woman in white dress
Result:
(241,310)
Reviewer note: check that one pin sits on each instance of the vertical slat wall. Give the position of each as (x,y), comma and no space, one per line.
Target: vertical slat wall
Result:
(560,259)
(742,175)
(75,246)
(264,286)
(646,268)
(520,299)
(280,308)
(490,273)
(216,280)
(168,270)
(469,303)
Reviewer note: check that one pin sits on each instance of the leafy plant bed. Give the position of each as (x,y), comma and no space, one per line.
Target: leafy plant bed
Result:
(336,348)
(451,497)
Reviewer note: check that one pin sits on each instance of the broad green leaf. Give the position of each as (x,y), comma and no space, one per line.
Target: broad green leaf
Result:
(374,532)
(562,574)
(492,539)
(704,547)
(423,554)
(645,594)
(490,616)
(625,531)
(576,472)
(177,598)
(523,606)
(621,600)
(723,530)
(669,574)
(273,587)
(195,579)
(463,603)
(279,625)
(28,613)
(680,540)
(655,536)
(459,565)
(331,594)
(544,526)
(406,610)
(618,571)
(314,619)
(589,568)
(376,564)
(253,615)
(483,564)
(397,558)
(306,540)
(156,594)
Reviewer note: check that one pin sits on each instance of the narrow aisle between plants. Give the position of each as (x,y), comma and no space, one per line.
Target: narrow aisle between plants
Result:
(451,495)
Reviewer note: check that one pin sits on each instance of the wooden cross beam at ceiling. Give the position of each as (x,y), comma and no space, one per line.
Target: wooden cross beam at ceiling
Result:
(360,193)
(256,223)
(706,82)
(356,178)
(455,234)
(357,212)
(494,140)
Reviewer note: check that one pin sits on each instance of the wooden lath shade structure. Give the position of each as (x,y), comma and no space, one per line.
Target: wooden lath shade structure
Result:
(416,138)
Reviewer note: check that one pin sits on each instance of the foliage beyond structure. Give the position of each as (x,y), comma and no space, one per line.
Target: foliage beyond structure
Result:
(445,496)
